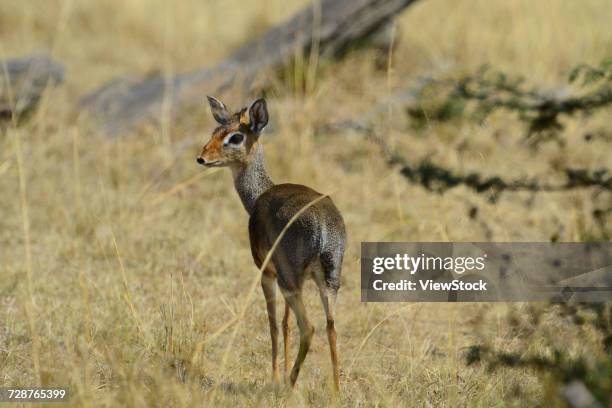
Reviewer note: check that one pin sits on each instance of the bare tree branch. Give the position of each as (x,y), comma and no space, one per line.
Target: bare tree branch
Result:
(439,179)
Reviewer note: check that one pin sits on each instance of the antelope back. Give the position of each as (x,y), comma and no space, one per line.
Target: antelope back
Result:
(318,232)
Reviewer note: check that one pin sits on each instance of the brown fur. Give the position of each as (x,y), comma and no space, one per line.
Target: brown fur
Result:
(312,246)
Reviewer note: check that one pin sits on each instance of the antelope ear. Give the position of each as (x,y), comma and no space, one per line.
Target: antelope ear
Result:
(219,111)
(255,116)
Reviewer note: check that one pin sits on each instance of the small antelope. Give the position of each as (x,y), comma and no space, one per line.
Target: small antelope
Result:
(313,245)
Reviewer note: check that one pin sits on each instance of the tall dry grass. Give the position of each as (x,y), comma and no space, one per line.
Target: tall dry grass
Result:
(122,262)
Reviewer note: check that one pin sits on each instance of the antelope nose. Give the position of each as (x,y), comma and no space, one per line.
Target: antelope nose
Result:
(200,160)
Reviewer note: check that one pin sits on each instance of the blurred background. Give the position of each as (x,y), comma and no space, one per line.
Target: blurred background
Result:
(125,268)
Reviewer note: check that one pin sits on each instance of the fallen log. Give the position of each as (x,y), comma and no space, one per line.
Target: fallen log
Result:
(329,27)
(23,81)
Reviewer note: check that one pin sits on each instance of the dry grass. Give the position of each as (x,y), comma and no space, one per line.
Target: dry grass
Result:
(139,259)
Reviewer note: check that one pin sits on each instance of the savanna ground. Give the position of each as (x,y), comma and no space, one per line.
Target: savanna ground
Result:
(125,269)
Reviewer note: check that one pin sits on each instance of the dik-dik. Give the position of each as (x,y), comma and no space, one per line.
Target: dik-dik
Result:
(312,246)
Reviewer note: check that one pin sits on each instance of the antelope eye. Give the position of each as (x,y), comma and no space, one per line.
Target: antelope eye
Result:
(235,139)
